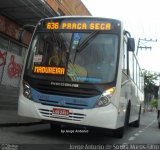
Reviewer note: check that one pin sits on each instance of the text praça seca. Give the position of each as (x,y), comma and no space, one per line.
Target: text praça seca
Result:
(79,26)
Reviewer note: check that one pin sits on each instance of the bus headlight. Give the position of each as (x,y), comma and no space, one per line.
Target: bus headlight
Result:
(27,90)
(105,98)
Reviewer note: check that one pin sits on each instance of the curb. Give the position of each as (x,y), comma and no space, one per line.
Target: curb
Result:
(18,124)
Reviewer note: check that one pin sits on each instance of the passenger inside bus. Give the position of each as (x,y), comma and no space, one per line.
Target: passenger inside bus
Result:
(101,63)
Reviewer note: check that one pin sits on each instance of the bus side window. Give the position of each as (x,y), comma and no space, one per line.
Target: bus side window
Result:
(135,70)
(131,64)
(124,63)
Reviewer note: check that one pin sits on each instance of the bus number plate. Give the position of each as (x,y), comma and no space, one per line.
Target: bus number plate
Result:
(59,111)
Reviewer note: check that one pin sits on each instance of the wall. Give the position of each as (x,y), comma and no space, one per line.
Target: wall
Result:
(10,68)
(69,7)
(11,29)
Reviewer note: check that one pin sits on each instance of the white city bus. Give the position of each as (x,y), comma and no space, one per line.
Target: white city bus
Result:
(82,71)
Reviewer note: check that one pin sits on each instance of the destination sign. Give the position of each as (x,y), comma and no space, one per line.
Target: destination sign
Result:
(49,70)
(78,25)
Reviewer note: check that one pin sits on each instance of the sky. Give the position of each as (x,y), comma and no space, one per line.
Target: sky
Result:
(141,18)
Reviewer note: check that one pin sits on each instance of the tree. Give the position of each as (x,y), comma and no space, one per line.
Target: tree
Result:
(153,103)
(150,88)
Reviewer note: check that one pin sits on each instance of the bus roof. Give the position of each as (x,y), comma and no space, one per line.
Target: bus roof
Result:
(81,17)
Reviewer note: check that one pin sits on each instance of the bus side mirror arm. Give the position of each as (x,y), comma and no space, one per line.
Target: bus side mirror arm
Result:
(27,27)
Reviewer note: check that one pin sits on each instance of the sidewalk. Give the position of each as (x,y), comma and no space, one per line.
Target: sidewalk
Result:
(8,109)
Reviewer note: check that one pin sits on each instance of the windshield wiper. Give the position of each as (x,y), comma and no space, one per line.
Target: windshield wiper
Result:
(85,42)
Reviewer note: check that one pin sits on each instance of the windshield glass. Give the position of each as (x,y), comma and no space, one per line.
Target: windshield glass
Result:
(73,57)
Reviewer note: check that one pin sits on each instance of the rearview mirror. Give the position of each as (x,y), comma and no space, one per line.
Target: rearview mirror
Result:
(131,44)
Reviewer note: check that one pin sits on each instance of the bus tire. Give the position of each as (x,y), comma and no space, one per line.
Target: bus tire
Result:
(126,122)
(119,132)
(137,122)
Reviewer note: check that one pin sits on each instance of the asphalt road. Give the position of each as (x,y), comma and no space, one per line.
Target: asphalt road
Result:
(28,137)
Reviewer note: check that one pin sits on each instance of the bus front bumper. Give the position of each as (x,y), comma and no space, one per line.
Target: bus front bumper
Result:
(104,117)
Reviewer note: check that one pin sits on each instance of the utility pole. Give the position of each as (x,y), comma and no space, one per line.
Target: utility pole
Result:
(142,42)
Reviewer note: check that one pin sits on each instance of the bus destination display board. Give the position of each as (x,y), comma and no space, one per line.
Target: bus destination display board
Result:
(77,25)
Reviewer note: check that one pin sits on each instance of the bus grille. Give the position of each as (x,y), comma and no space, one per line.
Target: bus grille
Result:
(72,116)
(69,92)
(66,105)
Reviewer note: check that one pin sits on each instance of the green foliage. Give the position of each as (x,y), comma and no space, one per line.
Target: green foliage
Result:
(150,87)
(154,103)
(150,79)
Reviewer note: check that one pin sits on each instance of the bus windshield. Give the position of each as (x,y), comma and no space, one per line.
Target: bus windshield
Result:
(73,56)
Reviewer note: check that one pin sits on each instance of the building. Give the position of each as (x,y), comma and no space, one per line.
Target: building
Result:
(14,15)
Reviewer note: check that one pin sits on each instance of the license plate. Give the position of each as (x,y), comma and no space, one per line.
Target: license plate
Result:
(59,111)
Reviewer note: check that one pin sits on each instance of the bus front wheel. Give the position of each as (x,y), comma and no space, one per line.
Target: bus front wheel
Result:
(137,122)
